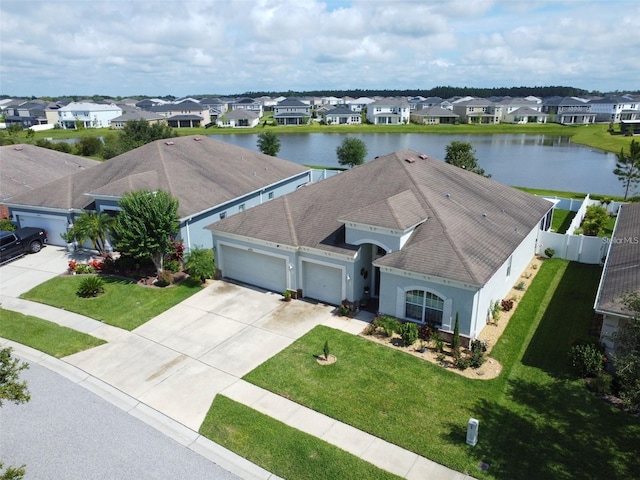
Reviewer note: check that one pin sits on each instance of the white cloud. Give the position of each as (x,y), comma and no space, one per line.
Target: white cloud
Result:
(131,47)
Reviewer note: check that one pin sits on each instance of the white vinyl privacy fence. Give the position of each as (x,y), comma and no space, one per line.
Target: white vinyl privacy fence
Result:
(577,248)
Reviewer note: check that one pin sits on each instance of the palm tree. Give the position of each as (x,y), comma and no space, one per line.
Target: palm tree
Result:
(92,226)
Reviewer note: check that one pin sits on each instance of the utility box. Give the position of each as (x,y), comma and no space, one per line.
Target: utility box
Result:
(472,432)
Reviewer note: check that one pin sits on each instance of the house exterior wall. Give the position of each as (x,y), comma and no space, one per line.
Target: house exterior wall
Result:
(91,118)
(380,113)
(610,326)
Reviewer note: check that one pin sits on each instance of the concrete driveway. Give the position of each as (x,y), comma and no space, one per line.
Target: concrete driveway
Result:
(178,361)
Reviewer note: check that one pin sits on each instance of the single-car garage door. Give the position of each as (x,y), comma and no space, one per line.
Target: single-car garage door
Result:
(322,282)
(54,226)
(254,268)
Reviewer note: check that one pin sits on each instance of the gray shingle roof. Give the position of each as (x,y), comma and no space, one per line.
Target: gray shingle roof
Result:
(621,273)
(200,174)
(24,168)
(472,223)
(435,111)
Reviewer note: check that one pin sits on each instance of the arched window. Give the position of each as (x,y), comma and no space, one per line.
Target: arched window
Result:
(424,306)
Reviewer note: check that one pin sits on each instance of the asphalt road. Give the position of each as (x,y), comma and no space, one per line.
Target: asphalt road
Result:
(67,432)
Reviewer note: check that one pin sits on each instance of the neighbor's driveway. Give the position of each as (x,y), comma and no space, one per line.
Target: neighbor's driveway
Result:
(178,361)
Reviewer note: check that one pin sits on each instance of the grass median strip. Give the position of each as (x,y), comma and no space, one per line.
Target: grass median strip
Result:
(48,337)
(124,304)
(280,449)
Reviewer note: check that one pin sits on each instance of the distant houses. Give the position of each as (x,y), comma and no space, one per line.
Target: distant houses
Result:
(247,112)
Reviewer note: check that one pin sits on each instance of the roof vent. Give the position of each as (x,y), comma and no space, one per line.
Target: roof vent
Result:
(197,139)
(448,195)
(410,160)
(484,215)
(168,143)
(423,156)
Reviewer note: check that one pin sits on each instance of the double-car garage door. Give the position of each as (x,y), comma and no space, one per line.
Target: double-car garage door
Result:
(54,226)
(320,282)
(254,268)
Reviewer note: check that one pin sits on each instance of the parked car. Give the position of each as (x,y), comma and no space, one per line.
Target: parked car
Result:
(22,241)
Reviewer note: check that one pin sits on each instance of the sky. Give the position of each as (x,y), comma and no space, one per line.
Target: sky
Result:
(224,47)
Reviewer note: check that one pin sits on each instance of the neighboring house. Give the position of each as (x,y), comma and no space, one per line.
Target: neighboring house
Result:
(510,105)
(342,115)
(90,115)
(27,114)
(434,116)
(423,238)
(388,111)
(524,115)
(568,111)
(360,104)
(210,179)
(239,118)
(621,274)
(478,110)
(248,104)
(149,103)
(150,117)
(27,167)
(185,114)
(611,108)
(292,112)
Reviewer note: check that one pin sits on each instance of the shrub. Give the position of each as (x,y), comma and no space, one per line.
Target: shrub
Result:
(325,349)
(587,358)
(521,286)
(343,310)
(426,332)
(478,346)
(535,265)
(549,252)
(409,333)
(164,279)
(172,265)
(439,343)
(84,268)
(7,226)
(199,263)
(90,287)
(73,266)
(601,383)
(455,341)
(495,311)
(476,359)
(389,325)
(506,305)
(462,362)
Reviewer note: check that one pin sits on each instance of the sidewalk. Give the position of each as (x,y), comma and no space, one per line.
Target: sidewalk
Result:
(163,374)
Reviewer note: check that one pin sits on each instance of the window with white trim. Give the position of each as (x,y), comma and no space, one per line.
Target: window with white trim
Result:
(423,306)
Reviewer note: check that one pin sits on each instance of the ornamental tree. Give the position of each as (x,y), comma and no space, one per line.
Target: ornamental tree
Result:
(463,155)
(351,152)
(145,226)
(628,167)
(269,143)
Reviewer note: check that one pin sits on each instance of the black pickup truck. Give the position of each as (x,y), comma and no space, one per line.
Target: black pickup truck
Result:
(22,241)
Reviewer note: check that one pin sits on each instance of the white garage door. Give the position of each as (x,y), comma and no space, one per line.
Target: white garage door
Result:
(254,268)
(53,226)
(322,282)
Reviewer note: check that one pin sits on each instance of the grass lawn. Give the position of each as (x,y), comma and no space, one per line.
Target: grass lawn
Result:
(124,304)
(48,337)
(289,452)
(536,420)
(561,220)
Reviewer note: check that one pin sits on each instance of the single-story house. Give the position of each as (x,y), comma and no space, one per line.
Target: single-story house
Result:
(27,167)
(211,180)
(620,275)
(424,239)
(135,115)
(434,116)
(239,118)
(342,115)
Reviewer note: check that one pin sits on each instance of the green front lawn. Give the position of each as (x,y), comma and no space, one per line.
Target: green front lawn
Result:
(290,453)
(536,421)
(124,304)
(48,337)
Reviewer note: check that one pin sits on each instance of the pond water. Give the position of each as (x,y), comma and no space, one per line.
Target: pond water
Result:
(537,161)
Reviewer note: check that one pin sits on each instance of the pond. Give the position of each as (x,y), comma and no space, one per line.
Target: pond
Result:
(537,161)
